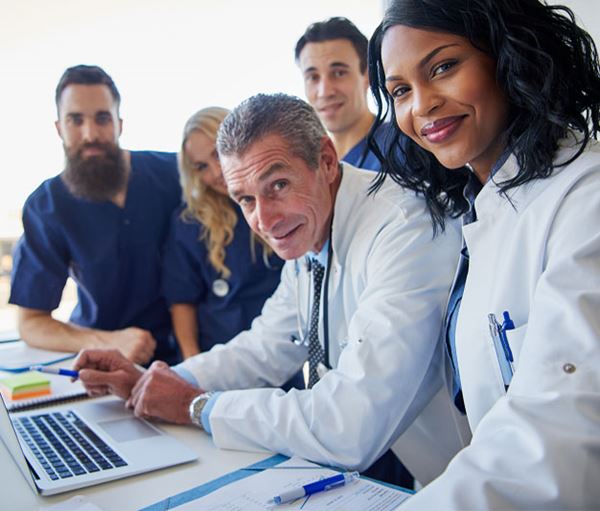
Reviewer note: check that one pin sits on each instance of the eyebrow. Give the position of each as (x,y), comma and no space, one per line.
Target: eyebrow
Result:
(424,61)
(332,65)
(80,114)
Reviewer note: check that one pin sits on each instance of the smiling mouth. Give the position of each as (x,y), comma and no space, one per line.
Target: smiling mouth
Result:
(442,129)
(328,109)
(287,235)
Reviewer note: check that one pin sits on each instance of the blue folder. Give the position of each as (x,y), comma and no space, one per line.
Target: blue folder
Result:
(205,489)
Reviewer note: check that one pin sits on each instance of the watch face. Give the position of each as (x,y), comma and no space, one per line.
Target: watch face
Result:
(196,407)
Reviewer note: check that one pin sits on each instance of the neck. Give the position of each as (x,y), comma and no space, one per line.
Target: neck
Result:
(333,189)
(345,140)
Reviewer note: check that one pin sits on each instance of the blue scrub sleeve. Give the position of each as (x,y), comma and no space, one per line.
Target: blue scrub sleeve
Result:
(183,258)
(205,417)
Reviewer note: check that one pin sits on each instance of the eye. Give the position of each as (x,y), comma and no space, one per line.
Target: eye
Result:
(200,166)
(311,77)
(279,185)
(338,73)
(246,202)
(443,67)
(103,118)
(75,119)
(399,91)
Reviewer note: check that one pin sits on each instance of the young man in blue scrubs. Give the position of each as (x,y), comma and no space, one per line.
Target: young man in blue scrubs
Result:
(332,56)
(102,221)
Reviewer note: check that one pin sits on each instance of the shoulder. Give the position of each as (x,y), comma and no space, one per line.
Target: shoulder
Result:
(548,192)
(48,196)
(156,169)
(390,200)
(154,159)
(155,163)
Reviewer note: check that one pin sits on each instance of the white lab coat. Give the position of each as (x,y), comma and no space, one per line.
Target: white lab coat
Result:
(387,292)
(538,445)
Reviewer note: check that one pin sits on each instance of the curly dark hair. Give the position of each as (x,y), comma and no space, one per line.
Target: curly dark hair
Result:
(546,65)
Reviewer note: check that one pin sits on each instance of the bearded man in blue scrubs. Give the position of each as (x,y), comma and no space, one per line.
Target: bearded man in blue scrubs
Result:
(102,221)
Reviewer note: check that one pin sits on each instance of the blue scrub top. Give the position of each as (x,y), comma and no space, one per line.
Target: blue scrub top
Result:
(113,254)
(188,277)
(370,162)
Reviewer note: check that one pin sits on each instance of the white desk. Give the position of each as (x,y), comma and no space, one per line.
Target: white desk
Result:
(133,492)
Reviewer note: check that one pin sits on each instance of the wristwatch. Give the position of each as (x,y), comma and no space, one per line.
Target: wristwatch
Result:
(196,407)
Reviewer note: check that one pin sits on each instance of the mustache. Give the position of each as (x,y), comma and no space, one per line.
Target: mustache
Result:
(105,147)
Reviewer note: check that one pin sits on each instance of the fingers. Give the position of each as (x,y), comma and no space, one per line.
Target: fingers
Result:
(92,377)
(142,347)
(101,359)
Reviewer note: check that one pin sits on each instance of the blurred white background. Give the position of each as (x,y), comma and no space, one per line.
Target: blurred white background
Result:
(168,59)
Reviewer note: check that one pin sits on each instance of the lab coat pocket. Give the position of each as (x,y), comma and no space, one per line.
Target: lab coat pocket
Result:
(515,341)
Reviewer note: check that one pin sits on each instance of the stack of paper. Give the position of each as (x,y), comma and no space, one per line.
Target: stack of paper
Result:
(25,386)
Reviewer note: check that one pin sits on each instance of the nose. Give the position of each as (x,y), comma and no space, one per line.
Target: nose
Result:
(266,215)
(424,100)
(89,131)
(325,87)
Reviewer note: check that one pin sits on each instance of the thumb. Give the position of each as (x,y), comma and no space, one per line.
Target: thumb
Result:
(159,364)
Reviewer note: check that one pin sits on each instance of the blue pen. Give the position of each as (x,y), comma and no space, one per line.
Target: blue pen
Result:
(55,370)
(503,353)
(316,487)
(507,324)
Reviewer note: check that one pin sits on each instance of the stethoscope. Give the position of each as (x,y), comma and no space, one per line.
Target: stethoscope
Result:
(220,286)
(303,332)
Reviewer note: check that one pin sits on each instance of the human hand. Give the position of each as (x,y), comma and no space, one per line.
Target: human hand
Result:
(162,394)
(136,344)
(106,372)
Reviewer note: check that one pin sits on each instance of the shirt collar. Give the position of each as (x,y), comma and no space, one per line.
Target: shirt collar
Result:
(322,256)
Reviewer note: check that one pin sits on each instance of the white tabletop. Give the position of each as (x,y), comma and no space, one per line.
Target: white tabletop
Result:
(133,492)
(137,491)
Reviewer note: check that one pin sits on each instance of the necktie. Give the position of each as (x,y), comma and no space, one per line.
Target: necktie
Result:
(315,350)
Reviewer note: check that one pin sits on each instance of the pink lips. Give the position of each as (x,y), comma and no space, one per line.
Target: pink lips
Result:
(440,130)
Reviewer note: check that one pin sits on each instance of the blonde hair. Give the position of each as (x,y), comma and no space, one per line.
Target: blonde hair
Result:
(213,210)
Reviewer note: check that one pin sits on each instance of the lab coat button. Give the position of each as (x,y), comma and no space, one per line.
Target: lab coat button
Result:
(569,368)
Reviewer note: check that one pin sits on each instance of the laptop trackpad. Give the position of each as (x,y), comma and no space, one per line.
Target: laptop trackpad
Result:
(125,430)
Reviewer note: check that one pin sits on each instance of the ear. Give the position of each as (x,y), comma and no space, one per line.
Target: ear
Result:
(329,159)
(58,129)
(120,126)
(366,81)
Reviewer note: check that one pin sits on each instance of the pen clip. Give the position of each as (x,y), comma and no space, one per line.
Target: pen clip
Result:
(503,353)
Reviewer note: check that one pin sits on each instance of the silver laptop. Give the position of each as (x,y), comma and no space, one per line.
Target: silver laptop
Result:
(66,447)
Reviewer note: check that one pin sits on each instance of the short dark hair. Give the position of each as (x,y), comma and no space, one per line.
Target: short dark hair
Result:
(86,75)
(289,117)
(546,65)
(335,28)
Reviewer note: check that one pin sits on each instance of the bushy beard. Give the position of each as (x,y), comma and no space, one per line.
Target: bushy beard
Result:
(96,178)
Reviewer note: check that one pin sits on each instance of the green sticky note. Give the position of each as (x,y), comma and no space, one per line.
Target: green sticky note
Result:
(25,381)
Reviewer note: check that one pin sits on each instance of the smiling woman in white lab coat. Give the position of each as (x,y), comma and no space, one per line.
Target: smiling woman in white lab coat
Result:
(501,102)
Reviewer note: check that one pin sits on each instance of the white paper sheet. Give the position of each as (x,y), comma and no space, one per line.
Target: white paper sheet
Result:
(18,356)
(255,493)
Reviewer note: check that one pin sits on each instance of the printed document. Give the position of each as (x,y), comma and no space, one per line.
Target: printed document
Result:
(255,493)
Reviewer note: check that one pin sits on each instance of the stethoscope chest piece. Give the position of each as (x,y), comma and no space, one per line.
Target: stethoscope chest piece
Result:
(220,287)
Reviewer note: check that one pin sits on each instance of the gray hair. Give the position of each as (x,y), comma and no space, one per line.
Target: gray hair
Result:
(261,115)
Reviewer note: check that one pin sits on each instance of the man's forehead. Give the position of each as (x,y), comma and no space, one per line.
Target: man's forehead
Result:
(76,97)
(328,53)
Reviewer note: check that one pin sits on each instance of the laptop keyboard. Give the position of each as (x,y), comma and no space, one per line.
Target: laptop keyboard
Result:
(65,446)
